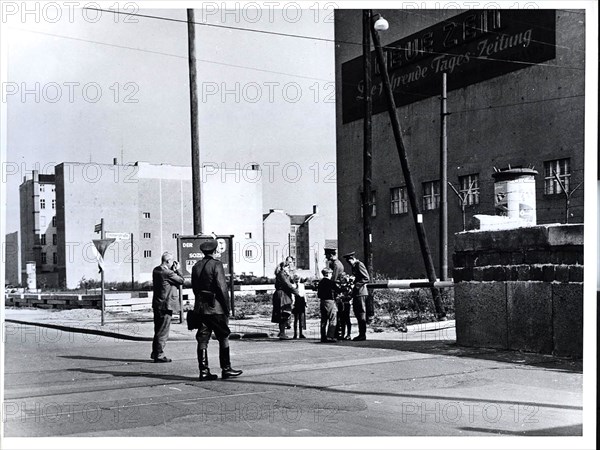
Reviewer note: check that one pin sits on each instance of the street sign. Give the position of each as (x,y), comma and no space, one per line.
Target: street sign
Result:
(98,228)
(117,236)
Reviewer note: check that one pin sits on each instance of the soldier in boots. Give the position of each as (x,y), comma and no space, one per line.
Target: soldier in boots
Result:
(359,294)
(212,306)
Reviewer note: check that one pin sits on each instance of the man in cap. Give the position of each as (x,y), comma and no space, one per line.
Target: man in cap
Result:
(359,294)
(165,280)
(212,305)
(343,308)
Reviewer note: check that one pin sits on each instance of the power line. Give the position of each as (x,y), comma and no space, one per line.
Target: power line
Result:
(171,55)
(299,36)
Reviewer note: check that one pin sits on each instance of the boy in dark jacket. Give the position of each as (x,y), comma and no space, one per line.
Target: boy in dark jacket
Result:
(326,292)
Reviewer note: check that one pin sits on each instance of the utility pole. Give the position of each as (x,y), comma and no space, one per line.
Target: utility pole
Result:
(102,277)
(196,172)
(414,205)
(444,183)
(367,141)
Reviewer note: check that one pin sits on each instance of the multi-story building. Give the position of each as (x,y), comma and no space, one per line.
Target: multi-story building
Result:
(154,203)
(299,235)
(515,100)
(38,227)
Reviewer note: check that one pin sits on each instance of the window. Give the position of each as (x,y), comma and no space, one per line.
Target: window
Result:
(398,200)
(147,235)
(175,235)
(42,203)
(248,253)
(373,204)
(42,188)
(147,253)
(42,239)
(44,259)
(469,189)
(431,195)
(552,169)
(248,235)
(54,221)
(146,215)
(54,258)
(53,204)
(54,239)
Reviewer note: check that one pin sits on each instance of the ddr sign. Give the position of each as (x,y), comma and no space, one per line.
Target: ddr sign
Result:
(189,253)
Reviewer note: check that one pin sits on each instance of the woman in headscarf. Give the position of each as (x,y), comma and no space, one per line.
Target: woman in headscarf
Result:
(282,298)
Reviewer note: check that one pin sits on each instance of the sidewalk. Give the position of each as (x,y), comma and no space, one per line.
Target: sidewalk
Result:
(139,326)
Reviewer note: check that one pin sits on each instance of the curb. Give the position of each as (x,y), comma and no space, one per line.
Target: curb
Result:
(82,330)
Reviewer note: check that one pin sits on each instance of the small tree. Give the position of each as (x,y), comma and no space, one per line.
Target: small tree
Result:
(568,194)
(462,198)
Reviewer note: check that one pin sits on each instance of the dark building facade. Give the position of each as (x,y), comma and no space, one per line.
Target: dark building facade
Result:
(515,98)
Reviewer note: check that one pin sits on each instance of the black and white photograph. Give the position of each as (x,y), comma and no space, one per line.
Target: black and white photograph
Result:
(295,224)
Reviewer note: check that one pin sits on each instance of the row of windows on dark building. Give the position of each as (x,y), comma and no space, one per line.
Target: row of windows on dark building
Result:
(468,189)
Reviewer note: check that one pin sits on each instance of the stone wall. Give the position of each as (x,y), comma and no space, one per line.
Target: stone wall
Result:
(520,289)
(54,301)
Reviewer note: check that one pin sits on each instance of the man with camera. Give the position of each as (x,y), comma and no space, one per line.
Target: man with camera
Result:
(213,309)
(166,278)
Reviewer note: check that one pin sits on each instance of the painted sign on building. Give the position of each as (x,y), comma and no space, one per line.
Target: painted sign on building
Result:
(472,47)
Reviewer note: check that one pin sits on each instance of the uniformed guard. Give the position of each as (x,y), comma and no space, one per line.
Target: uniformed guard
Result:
(212,306)
(343,327)
(359,294)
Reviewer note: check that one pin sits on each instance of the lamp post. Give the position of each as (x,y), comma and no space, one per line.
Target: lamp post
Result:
(367,142)
(381,25)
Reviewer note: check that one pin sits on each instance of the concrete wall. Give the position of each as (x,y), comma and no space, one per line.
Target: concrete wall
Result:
(542,120)
(521,289)
(85,194)
(232,200)
(12,259)
(154,202)
(276,226)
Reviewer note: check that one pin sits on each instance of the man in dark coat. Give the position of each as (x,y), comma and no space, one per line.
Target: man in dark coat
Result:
(343,326)
(213,307)
(359,294)
(165,280)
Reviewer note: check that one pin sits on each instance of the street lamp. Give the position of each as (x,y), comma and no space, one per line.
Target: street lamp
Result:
(381,24)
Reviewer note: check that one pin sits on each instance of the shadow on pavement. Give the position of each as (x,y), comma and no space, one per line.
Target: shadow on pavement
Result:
(286,386)
(98,358)
(156,376)
(450,348)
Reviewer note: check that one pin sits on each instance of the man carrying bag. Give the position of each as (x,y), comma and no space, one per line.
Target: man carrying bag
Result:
(212,308)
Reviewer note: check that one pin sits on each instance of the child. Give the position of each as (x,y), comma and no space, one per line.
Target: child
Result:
(326,292)
(299,310)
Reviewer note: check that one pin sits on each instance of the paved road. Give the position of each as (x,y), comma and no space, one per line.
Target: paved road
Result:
(68,384)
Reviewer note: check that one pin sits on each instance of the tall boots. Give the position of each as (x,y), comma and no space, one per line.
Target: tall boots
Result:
(226,370)
(205,374)
(362,330)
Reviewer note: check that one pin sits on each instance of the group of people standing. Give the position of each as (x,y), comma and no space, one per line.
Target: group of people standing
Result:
(212,304)
(337,293)
(288,301)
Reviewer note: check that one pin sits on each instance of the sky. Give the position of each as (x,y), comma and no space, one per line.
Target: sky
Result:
(91,86)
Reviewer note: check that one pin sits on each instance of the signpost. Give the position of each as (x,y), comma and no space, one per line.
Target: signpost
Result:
(189,253)
(101,246)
